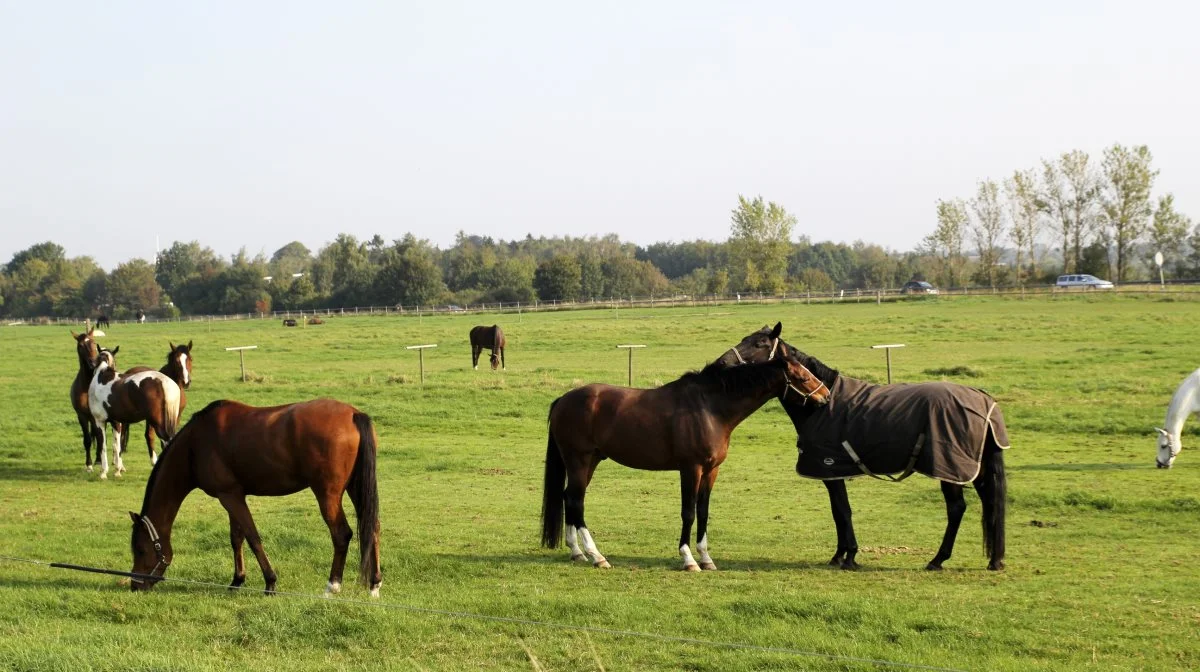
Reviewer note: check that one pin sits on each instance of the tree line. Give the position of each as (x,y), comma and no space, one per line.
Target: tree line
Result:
(1101,215)
(761,255)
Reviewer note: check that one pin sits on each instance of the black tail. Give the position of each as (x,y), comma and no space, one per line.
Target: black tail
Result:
(994,495)
(365,494)
(553,484)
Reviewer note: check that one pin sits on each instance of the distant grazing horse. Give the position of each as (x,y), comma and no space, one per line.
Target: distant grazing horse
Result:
(141,316)
(1185,402)
(682,426)
(488,337)
(289,323)
(179,369)
(88,352)
(125,399)
(230,450)
(102,321)
(950,432)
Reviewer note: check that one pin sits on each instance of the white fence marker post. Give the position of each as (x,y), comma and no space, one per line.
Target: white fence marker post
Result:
(887,349)
(242,356)
(630,349)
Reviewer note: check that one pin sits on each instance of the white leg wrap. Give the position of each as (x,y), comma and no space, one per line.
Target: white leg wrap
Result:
(706,561)
(118,463)
(573,544)
(688,563)
(589,547)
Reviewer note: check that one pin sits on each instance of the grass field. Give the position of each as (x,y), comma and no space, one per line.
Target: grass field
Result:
(1109,580)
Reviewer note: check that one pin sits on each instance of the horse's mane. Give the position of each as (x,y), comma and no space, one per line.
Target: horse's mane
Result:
(734,379)
(827,375)
(167,446)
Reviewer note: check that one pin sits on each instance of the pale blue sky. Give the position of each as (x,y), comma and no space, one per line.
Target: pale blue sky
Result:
(258,123)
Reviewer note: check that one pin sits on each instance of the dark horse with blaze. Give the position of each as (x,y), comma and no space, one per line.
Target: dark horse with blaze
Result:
(179,369)
(488,337)
(950,432)
(231,450)
(88,352)
(682,426)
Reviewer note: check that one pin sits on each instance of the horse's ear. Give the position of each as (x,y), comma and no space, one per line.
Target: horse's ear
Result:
(172,344)
(115,350)
(90,330)
(1160,430)
(74,335)
(135,517)
(776,331)
(189,346)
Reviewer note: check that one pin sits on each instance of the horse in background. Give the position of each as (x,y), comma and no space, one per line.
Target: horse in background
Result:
(1184,403)
(122,400)
(102,321)
(488,337)
(927,411)
(682,426)
(179,369)
(230,450)
(88,352)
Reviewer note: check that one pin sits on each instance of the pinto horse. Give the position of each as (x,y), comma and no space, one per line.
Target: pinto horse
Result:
(88,352)
(960,439)
(179,369)
(125,399)
(230,450)
(682,426)
(488,337)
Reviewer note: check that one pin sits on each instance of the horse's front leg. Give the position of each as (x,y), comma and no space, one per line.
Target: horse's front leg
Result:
(118,463)
(85,423)
(475,350)
(839,504)
(956,506)
(101,454)
(707,481)
(689,486)
(239,513)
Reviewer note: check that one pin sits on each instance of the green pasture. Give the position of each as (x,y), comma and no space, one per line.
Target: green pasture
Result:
(1108,577)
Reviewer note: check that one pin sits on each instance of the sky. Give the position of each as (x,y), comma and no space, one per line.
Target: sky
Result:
(255,124)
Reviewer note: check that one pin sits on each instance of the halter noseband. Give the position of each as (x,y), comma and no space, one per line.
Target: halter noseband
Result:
(774,347)
(158,552)
(804,397)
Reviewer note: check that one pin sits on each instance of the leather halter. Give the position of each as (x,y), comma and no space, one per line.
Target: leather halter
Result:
(158,552)
(803,396)
(774,347)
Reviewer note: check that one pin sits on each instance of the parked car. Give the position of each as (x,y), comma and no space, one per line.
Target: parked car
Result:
(1080,280)
(918,287)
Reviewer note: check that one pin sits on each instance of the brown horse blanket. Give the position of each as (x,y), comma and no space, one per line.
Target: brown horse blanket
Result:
(937,429)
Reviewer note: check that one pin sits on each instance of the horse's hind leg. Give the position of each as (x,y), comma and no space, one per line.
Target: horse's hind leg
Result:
(707,481)
(98,437)
(956,506)
(239,513)
(339,531)
(475,350)
(839,505)
(689,486)
(150,430)
(118,463)
(236,537)
(85,423)
(578,478)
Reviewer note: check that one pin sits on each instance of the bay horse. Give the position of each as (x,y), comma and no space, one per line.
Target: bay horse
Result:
(179,369)
(682,426)
(121,400)
(231,450)
(87,351)
(488,337)
(961,411)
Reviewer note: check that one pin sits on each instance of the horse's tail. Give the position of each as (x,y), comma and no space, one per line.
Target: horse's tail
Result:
(365,494)
(553,483)
(994,493)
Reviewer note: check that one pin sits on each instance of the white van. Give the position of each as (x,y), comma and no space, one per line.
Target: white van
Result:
(1088,281)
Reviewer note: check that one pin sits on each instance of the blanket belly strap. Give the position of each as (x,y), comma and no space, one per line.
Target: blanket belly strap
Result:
(912,462)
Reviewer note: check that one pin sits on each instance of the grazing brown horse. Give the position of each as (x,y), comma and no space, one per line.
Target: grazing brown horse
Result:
(88,352)
(488,337)
(179,369)
(230,450)
(950,432)
(682,426)
(125,399)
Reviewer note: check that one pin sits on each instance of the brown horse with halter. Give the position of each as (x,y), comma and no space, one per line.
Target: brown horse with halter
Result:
(682,426)
(179,369)
(87,351)
(488,337)
(121,400)
(950,432)
(230,450)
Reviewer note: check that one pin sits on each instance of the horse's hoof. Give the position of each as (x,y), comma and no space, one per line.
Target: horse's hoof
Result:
(477,368)
(691,568)
(603,564)
(933,567)
(850,565)
(577,557)
(836,560)
(103,476)
(375,590)
(996,566)
(88,468)
(708,566)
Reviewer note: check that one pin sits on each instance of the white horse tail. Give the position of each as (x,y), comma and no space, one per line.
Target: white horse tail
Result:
(171,395)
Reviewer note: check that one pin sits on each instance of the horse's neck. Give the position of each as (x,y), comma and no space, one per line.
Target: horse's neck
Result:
(1185,401)
(170,485)
(739,408)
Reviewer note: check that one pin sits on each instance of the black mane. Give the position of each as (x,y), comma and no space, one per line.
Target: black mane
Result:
(734,379)
(827,375)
